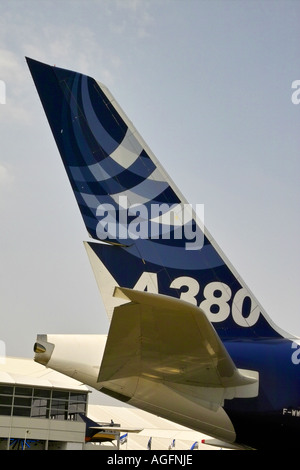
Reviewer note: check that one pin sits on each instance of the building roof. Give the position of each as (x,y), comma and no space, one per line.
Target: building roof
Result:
(23,371)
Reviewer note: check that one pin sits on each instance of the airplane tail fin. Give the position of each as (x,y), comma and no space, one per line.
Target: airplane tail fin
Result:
(152,239)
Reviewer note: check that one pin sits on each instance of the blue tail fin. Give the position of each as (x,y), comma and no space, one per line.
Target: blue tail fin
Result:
(153,238)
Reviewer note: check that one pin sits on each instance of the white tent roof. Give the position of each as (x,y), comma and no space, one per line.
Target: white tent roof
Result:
(161,430)
(27,372)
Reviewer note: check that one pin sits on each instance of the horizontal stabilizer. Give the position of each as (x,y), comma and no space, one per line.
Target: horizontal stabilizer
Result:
(168,340)
(219,443)
(117,429)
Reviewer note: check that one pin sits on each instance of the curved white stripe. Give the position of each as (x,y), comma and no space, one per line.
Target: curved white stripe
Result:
(128,151)
(144,192)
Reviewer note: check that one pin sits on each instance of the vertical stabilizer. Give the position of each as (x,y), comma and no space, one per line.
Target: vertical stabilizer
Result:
(152,239)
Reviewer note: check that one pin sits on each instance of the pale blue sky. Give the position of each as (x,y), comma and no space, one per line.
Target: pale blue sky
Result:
(208,85)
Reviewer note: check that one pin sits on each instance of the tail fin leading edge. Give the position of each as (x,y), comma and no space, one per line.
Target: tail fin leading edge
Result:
(154,241)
